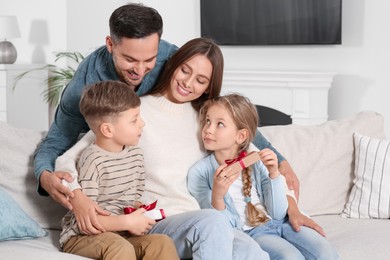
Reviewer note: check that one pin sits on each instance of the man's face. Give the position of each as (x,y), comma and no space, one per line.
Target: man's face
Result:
(134,58)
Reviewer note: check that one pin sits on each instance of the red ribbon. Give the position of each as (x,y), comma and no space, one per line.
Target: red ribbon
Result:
(128,210)
(237,159)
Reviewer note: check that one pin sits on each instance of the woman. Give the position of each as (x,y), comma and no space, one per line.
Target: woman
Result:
(171,146)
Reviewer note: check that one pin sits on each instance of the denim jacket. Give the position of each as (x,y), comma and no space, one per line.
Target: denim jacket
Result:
(270,192)
(68,122)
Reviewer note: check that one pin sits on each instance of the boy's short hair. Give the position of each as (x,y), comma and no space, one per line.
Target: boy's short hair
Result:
(103,101)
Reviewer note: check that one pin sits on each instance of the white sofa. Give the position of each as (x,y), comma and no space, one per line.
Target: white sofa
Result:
(322,156)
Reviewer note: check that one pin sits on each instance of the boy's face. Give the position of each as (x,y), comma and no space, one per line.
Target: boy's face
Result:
(128,127)
(134,58)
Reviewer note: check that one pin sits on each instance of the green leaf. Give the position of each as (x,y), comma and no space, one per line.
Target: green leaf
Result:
(58,77)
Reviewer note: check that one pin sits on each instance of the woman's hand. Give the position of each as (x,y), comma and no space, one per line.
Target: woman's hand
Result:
(270,160)
(85,210)
(223,178)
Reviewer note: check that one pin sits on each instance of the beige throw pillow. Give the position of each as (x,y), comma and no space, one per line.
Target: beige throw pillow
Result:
(322,156)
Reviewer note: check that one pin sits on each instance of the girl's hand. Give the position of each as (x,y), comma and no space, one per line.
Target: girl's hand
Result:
(222,181)
(270,160)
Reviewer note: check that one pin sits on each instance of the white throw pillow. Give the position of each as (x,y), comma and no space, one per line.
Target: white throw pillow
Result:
(370,195)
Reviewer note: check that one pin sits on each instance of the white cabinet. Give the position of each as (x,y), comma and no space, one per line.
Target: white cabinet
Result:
(302,95)
(24,105)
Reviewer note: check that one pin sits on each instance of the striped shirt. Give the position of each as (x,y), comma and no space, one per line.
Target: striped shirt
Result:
(112,180)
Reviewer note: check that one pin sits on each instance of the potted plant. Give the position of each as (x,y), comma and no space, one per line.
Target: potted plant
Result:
(58,77)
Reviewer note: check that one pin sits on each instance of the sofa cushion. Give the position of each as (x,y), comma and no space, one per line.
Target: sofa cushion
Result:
(370,195)
(357,239)
(17,178)
(15,223)
(322,156)
(42,248)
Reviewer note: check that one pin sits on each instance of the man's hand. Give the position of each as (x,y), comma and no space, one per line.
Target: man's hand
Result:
(85,211)
(297,219)
(291,178)
(51,183)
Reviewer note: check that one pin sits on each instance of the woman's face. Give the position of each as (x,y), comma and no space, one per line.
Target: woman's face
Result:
(190,80)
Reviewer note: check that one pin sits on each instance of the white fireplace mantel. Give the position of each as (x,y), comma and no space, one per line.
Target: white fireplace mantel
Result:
(302,95)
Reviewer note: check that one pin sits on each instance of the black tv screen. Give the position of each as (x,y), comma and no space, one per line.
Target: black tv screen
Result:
(271,22)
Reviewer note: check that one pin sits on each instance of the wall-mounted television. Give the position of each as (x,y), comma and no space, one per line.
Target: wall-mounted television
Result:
(271,22)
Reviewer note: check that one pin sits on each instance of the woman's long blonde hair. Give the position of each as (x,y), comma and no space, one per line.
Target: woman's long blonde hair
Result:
(245,116)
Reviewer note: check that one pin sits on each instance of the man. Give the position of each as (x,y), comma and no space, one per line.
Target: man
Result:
(133,54)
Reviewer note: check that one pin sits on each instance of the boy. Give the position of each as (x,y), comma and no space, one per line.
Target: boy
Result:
(111,173)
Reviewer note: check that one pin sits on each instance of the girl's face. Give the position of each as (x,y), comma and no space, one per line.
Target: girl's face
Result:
(190,80)
(220,132)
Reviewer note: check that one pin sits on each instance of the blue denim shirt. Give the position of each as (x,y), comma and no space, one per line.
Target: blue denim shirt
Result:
(68,122)
(261,142)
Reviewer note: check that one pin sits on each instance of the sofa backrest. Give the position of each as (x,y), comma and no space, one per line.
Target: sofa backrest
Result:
(17,147)
(322,156)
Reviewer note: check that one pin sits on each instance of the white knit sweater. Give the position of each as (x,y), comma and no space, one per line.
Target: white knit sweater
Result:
(171,145)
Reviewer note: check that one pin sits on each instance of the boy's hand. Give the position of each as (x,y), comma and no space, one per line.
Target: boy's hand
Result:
(137,223)
(270,160)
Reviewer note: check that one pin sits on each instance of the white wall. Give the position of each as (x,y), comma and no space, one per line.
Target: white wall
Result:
(42,25)
(361,62)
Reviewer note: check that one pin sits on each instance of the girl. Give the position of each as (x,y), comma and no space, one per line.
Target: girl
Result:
(254,200)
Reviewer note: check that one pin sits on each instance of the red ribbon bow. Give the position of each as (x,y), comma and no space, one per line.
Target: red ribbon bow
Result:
(237,159)
(128,210)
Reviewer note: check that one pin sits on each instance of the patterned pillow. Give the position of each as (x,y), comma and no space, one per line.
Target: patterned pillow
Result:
(370,195)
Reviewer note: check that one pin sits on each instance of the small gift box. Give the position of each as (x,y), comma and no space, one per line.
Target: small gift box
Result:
(151,211)
(242,161)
